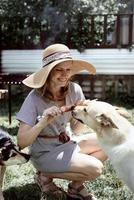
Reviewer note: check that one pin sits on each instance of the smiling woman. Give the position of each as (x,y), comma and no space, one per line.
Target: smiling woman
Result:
(59,78)
(43,126)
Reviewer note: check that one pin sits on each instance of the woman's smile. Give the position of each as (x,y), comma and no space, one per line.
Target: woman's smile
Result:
(63,79)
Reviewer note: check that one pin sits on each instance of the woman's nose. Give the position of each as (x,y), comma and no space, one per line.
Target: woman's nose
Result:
(65,73)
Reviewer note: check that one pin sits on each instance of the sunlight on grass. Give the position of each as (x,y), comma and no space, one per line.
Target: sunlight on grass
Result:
(19,180)
(106,187)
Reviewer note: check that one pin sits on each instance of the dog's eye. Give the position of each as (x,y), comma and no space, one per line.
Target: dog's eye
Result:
(13,155)
(85,110)
(5,154)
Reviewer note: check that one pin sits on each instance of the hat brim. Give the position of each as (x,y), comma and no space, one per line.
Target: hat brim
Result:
(38,79)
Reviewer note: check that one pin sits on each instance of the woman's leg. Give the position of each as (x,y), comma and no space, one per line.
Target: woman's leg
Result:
(48,187)
(85,165)
(82,168)
(89,145)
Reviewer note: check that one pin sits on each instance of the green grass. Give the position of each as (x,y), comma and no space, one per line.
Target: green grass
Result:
(19,182)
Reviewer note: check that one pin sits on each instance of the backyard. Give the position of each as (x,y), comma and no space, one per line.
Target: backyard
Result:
(19,182)
(103,30)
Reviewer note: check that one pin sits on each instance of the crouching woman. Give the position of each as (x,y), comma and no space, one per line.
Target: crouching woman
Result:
(54,153)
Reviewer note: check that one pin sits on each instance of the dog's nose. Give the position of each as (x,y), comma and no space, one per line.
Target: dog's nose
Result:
(27,157)
(73,113)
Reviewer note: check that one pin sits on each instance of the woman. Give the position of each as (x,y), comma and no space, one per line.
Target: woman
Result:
(43,126)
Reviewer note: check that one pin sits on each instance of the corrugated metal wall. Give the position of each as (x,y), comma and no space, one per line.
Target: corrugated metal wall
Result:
(115,70)
(107,61)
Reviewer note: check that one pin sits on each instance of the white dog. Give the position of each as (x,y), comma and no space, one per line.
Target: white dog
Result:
(115,134)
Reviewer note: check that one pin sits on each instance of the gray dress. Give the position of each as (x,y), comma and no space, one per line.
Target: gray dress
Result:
(50,155)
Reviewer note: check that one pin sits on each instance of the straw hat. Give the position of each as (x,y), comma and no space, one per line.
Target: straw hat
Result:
(53,55)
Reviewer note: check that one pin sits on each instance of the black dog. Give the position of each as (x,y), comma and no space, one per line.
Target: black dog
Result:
(9,155)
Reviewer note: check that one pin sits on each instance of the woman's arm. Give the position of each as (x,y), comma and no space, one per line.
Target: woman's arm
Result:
(76,126)
(27,134)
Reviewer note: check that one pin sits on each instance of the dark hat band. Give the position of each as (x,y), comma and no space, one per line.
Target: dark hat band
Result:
(56,56)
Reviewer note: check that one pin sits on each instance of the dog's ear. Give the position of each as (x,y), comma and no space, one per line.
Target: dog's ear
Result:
(123,112)
(83,102)
(88,101)
(105,120)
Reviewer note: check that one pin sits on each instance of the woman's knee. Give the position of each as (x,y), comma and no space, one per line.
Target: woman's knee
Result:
(94,170)
(88,166)
(98,168)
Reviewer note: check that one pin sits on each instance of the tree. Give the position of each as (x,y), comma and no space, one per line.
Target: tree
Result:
(38,23)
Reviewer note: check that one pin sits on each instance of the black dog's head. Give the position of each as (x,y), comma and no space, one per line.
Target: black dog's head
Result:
(9,152)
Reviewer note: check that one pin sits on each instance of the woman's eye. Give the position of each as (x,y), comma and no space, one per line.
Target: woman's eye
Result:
(61,70)
(58,70)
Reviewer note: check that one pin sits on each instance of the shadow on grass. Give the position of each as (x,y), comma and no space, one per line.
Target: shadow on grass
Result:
(25,192)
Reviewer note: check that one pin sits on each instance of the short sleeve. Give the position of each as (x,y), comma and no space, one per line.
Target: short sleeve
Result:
(28,111)
(79,92)
(76,92)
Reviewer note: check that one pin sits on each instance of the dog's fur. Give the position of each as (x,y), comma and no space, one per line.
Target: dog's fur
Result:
(115,134)
(9,155)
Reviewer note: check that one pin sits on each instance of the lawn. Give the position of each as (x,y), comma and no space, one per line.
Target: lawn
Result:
(19,182)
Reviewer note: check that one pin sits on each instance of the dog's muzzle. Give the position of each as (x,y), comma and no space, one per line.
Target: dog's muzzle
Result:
(11,150)
(74,116)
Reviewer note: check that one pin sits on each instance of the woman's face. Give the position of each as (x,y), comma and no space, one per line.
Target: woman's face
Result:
(60,74)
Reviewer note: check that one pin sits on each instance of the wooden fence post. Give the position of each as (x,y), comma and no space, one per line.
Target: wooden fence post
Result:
(0,49)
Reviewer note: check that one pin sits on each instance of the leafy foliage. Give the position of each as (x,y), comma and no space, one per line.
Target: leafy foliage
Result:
(36,24)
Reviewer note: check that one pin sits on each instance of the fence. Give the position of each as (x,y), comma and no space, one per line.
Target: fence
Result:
(94,31)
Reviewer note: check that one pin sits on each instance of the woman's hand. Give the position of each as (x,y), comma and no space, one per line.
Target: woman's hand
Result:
(51,113)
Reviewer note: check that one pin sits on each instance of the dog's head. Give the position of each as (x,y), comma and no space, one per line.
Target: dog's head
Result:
(95,114)
(9,152)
